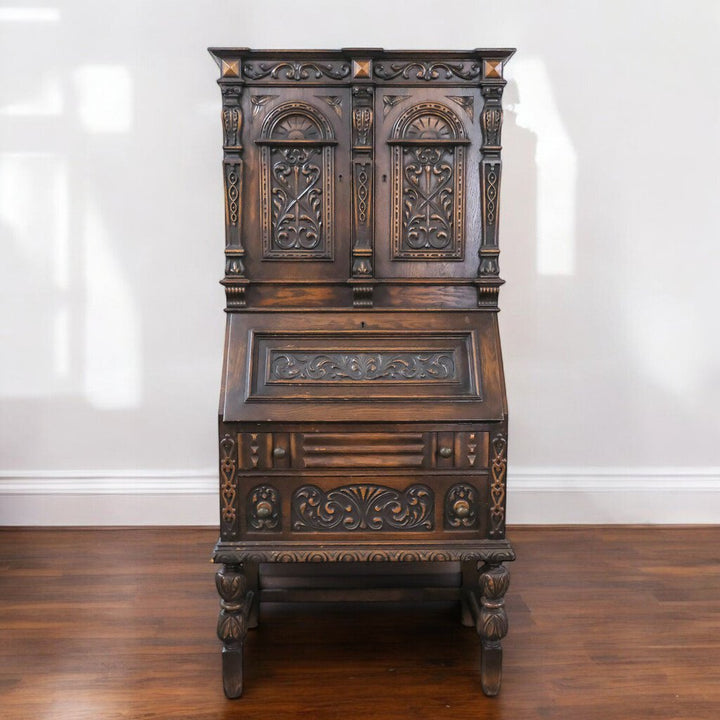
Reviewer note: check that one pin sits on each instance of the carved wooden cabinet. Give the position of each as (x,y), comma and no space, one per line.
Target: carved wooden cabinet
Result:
(362,413)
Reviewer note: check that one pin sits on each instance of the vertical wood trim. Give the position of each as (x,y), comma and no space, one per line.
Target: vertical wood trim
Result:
(363,142)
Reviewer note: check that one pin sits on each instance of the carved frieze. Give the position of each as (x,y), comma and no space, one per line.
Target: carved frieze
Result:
(427,70)
(362,506)
(299,70)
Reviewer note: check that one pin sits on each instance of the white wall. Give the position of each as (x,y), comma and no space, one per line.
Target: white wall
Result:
(111,225)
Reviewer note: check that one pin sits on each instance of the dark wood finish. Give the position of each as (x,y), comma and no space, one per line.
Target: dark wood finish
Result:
(363,415)
(117,623)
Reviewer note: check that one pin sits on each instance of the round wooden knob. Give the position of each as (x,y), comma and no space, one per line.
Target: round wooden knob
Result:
(279,452)
(445,452)
(263,509)
(461,508)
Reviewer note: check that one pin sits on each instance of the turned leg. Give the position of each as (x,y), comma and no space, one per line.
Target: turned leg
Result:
(235,602)
(492,624)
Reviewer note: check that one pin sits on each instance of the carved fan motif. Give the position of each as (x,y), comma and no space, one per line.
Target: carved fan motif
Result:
(296,127)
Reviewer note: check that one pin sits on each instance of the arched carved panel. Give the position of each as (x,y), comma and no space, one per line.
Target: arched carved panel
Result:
(428,184)
(297,183)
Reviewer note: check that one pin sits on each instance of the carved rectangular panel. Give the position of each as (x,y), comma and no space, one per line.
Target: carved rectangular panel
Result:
(297,183)
(363,365)
(363,507)
(428,183)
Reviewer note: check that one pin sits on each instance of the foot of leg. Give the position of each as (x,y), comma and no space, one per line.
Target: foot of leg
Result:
(492,624)
(235,601)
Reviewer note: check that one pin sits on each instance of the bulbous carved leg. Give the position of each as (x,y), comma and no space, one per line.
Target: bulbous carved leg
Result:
(235,601)
(492,624)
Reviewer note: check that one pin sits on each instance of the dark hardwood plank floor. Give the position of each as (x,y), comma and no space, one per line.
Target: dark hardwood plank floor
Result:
(604,623)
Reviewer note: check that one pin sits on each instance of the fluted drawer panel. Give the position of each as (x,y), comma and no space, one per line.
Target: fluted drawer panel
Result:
(333,450)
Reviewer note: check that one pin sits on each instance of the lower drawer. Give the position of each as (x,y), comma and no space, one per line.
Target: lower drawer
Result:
(363,505)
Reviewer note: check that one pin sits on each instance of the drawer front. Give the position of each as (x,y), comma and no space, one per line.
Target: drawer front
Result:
(450,450)
(296,507)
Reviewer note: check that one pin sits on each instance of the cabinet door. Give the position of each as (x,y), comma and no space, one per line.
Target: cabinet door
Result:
(428,182)
(297,183)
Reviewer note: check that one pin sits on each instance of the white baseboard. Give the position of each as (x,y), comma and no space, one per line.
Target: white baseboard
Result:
(535,496)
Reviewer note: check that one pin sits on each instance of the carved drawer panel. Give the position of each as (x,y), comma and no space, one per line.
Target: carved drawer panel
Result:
(363,506)
(449,450)
(331,450)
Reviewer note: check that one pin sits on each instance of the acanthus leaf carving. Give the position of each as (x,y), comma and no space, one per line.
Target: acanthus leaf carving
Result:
(358,366)
(363,506)
(422,70)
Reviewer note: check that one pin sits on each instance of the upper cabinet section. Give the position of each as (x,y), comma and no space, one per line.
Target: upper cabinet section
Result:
(356,178)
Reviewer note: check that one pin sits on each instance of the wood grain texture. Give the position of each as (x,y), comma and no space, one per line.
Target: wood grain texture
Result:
(619,623)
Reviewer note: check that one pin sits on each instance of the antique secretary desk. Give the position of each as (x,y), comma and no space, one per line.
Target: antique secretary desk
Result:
(362,413)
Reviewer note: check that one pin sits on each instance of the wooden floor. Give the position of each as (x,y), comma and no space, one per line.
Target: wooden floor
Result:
(604,623)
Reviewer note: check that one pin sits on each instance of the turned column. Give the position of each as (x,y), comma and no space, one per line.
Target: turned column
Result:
(492,624)
(235,602)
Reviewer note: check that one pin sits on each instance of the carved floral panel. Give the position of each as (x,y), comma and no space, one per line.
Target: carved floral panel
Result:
(428,184)
(362,506)
(296,168)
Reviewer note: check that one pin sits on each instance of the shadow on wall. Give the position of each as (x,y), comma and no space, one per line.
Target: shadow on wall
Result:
(111,222)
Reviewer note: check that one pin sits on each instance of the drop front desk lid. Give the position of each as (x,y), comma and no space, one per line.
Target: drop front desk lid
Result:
(373,367)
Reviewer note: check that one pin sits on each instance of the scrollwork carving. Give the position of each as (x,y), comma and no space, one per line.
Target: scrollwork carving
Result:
(286,70)
(345,366)
(362,507)
(419,70)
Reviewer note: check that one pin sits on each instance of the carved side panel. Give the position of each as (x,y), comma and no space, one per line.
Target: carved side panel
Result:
(498,472)
(428,184)
(362,507)
(297,183)
(228,486)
